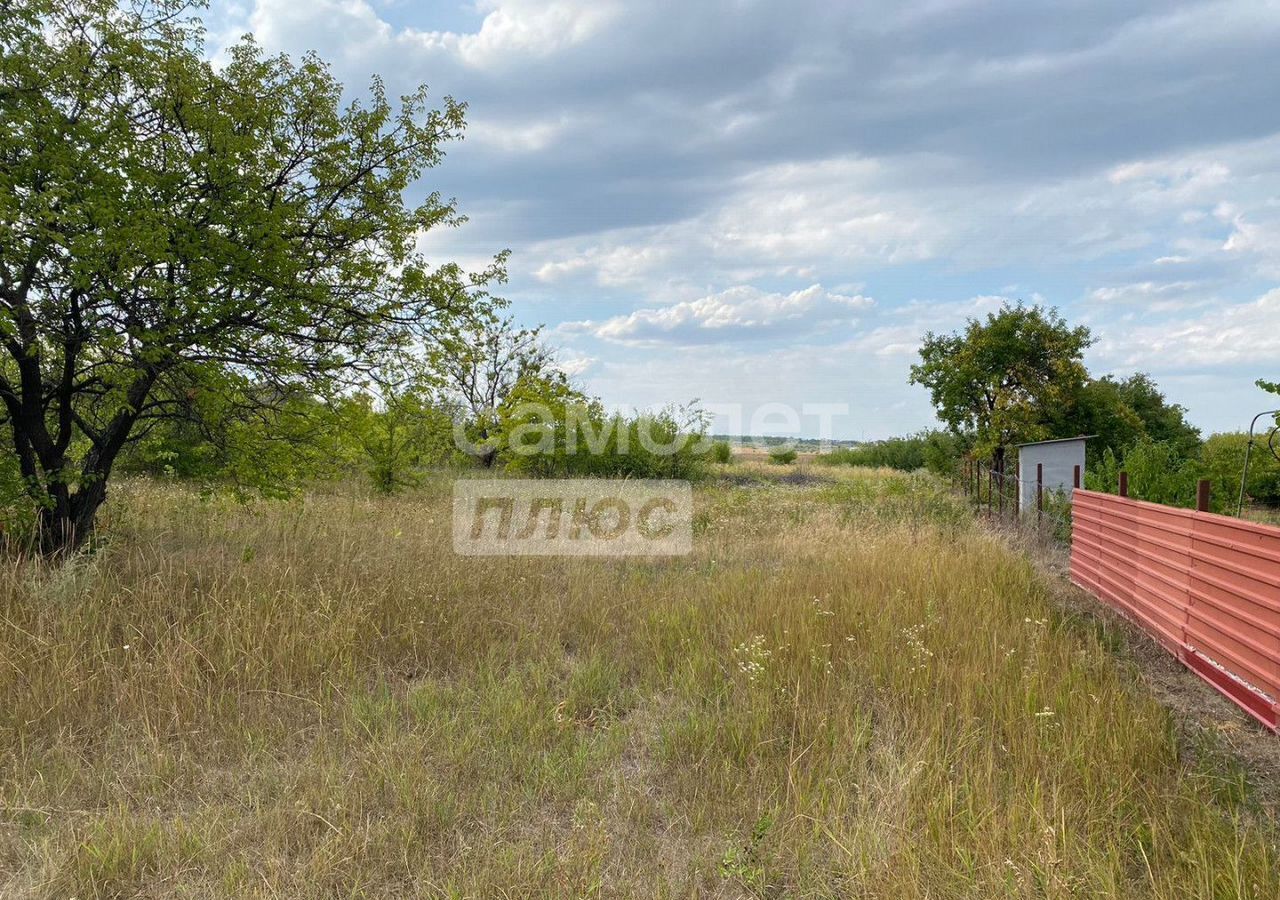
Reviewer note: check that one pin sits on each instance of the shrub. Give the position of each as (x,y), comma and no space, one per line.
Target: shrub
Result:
(1157,473)
(934,450)
(721,452)
(1222,458)
(558,439)
(782,455)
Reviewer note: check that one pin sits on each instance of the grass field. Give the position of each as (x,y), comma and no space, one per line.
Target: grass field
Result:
(848,689)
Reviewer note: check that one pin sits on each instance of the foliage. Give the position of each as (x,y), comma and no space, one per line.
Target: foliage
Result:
(721,452)
(561,434)
(167,225)
(782,455)
(998,380)
(1222,461)
(937,451)
(1121,413)
(398,434)
(254,445)
(1157,473)
(487,366)
(943,451)
(1162,421)
(905,454)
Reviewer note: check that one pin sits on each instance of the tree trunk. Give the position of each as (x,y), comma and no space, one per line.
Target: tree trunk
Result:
(66,525)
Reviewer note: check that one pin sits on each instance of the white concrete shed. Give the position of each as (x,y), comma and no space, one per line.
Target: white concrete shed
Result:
(1057,462)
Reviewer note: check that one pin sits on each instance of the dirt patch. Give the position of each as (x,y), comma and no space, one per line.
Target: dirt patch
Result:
(791,477)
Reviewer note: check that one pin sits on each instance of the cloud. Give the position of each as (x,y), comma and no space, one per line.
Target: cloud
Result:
(572,365)
(735,313)
(1241,334)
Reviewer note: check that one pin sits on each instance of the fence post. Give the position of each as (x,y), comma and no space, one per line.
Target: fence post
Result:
(1124,484)
(1075,476)
(1000,481)
(1202,495)
(1017,490)
(1039,491)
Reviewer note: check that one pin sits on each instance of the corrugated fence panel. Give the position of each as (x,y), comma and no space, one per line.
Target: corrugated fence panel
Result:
(1205,586)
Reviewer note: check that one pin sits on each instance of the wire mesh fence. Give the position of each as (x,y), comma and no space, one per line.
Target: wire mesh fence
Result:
(1016,500)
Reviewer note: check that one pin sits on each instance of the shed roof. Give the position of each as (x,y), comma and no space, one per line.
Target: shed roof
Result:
(1081,437)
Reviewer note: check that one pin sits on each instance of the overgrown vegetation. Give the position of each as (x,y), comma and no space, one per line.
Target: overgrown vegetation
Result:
(848,689)
(782,456)
(936,451)
(1160,473)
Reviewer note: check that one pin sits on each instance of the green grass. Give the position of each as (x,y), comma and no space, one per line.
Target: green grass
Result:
(848,689)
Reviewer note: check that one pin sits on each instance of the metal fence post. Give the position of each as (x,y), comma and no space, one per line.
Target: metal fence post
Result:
(1039,491)
(1202,495)
(1124,484)
(1075,476)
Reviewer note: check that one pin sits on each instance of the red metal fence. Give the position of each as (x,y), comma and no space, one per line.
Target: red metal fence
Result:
(1205,586)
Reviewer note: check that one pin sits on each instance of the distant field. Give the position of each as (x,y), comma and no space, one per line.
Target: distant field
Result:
(848,689)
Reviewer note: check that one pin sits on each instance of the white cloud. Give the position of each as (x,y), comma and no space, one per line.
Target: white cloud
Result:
(510,137)
(622,264)
(1241,334)
(516,29)
(738,312)
(574,365)
(1141,291)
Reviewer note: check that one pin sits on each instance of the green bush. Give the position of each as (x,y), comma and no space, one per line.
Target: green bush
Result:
(1160,474)
(1222,459)
(782,455)
(551,438)
(936,451)
(722,452)
(1157,473)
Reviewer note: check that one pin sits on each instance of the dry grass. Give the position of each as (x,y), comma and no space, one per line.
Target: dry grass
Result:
(846,690)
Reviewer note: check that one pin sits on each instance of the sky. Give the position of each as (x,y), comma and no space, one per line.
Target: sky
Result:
(763,206)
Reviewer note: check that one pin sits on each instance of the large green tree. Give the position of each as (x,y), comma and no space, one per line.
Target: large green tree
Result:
(1001,380)
(1121,413)
(168,226)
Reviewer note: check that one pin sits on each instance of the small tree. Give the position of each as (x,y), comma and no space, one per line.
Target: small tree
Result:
(480,362)
(168,226)
(1000,380)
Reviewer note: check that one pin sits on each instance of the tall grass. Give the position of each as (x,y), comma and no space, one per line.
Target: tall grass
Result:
(846,690)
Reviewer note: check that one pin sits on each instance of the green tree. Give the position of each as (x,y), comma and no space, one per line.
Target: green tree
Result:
(1122,412)
(165,222)
(483,364)
(1000,381)
(1162,421)
(398,432)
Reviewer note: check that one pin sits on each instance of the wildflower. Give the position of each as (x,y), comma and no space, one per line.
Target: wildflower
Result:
(751,657)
